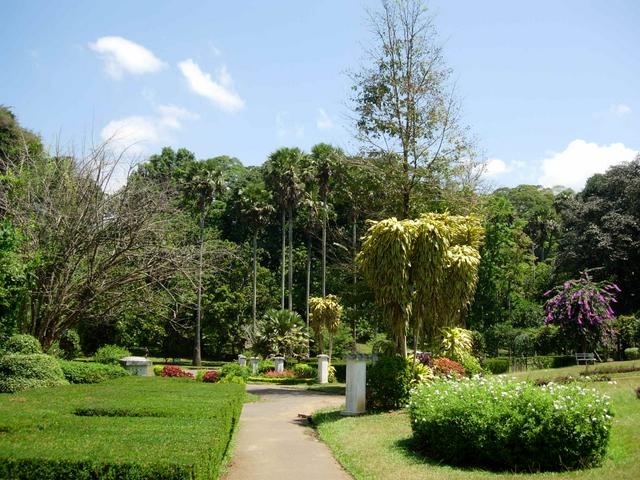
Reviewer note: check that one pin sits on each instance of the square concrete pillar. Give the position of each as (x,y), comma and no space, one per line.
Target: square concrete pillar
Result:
(242,360)
(254,365)
(356,401)
(279,363)
(323,368)
(138,366)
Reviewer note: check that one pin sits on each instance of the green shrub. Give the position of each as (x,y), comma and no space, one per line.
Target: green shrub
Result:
(388,383)
(302,370)
(84,372)
(20,372)
(341,371)
(471,365)
(510,426)
(70,344)
(497,365)
(266,365)
(632,353)
(233,369)
(157,370)
(110,354)
(233,379)
(24,344)
(331,374)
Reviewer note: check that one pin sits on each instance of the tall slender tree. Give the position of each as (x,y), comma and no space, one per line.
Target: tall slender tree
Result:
(206,184)
(282,177)
(404,108)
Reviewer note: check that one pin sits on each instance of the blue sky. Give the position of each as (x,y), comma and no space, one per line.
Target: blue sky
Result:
(548,88)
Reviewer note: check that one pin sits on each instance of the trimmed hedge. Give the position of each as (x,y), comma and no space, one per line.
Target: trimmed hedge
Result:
(24,344)
(84,372)
(130,428)
(233,369)
(282,381)
(497,365)
(632,353)
(510,426)
(20,372)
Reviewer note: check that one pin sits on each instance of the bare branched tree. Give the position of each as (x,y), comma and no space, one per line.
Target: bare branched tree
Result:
(87,245)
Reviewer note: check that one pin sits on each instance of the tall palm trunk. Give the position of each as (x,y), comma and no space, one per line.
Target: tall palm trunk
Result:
(324,246)
(290,258)
(284,222)
(308,293)
(197,355)
(255,278)
(354,245)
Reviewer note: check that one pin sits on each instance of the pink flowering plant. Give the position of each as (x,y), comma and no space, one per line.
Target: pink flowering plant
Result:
(582,308)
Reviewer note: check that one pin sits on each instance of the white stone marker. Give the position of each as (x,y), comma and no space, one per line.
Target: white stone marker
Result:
(323,368)
(279,363)
(254,365)
(242,360)
(138,366)
(356,402)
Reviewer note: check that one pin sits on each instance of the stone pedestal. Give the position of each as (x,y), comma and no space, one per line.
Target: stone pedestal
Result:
(253,361)
(138,366)
(323,368)
(356,402)
(279,363)
(242,360)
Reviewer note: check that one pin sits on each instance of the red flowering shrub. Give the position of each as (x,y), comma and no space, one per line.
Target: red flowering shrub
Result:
(211,376)
(443,366)
(173,371)
(282,374)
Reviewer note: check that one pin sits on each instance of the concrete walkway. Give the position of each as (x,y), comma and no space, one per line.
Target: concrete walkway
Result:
(274,443)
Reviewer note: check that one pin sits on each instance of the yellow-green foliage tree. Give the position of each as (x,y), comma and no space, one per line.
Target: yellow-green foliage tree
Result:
(423,272)
(325,314)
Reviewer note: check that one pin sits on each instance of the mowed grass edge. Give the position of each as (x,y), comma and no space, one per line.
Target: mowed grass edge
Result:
(379,446)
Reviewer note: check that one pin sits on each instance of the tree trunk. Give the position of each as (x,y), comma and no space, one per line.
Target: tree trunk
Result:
(290,259)
(324,247)
(255,278)
(197,355)
(308,293)
(284,225)
(354,244)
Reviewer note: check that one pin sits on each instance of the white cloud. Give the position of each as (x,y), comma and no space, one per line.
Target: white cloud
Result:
(580,160)
(220,92)
(286,129)
(323,122)
(136,134)
(124,56)
(620,109)
(495,166)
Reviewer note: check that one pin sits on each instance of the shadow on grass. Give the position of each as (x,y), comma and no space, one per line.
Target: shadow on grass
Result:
(331,389)
(410,448)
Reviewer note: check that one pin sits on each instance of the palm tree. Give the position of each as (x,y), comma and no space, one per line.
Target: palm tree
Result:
(256,209)
(324,159)
(282,176)
(206,184)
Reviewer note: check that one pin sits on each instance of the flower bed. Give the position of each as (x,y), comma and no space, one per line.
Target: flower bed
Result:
(510,426)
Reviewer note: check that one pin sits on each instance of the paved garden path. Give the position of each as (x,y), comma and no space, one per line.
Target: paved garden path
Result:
(272,442)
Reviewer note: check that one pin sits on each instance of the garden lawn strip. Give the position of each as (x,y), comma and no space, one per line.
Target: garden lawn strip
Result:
(379,446)
(134,427)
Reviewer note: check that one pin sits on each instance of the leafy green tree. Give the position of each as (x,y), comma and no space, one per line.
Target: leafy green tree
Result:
(405,111)
(14,272)
(601,232)
(281,332)
(423,272)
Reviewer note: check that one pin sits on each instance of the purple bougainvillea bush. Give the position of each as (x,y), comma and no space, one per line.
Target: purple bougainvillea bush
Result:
(582,308)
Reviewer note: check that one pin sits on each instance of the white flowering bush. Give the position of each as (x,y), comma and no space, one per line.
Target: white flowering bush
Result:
(507,425)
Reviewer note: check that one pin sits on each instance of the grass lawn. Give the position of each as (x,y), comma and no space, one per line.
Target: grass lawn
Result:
(134,427)
(378,446)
